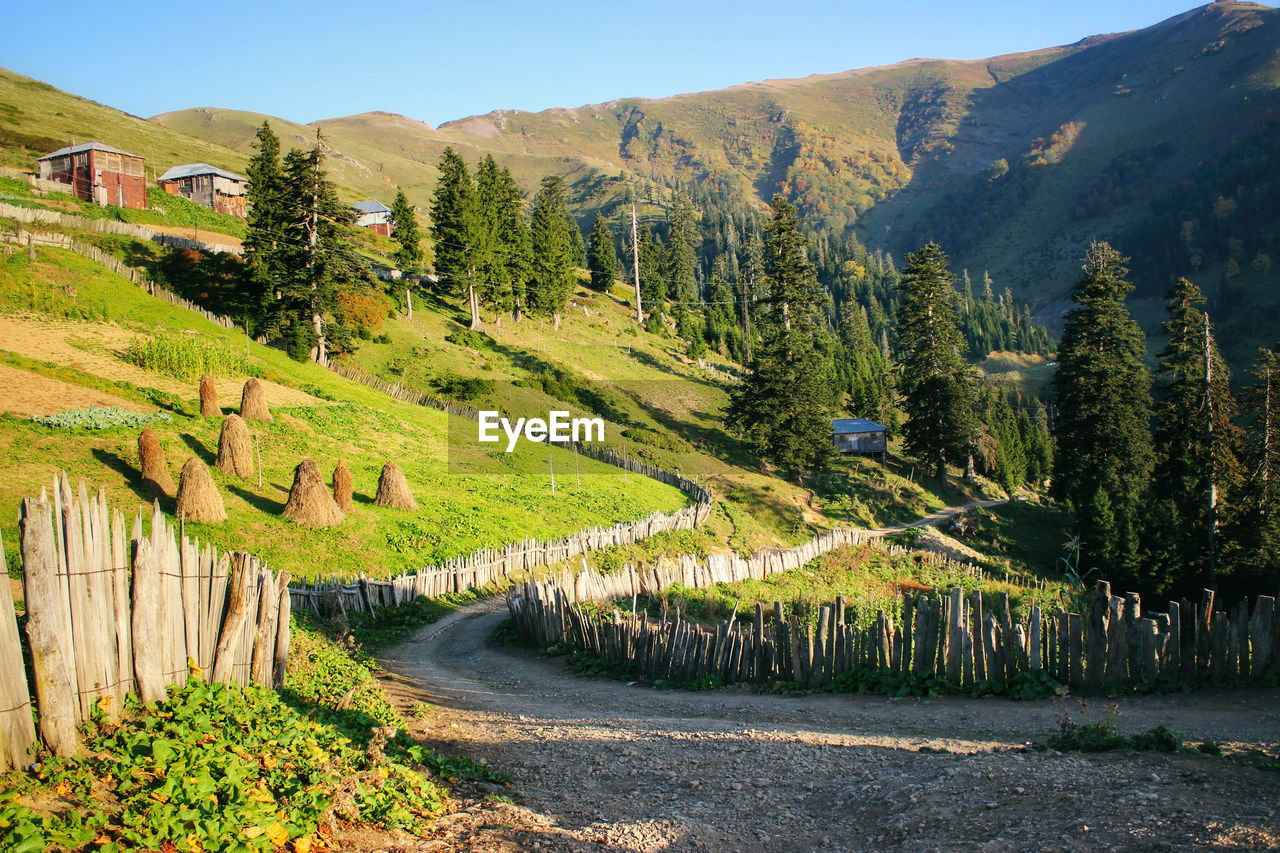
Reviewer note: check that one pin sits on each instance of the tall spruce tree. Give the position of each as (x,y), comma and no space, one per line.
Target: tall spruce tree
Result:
(937,387)
(404,231)
(502,243)
(1196,450)
(455,231)
(318,258)
(783,406)
(602,258)
(1103,393)
(680,264)
(553,276)
(1257,543)
(264,220)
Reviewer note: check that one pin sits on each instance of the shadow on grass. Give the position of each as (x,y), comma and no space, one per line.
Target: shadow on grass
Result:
(197,446)
(262,503)
(145,491)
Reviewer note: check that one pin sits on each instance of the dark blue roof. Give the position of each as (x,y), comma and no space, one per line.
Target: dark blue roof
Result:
(840,426)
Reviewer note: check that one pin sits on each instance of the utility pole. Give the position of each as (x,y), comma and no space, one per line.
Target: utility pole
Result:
(313,240)
(1213,457)
(746,319)
(635,261)
(552,465)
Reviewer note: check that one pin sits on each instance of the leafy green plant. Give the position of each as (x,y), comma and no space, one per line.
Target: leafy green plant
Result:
(99,417)
(188,356)
(218,768)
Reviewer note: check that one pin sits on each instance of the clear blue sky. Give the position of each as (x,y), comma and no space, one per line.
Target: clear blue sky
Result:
(437,62)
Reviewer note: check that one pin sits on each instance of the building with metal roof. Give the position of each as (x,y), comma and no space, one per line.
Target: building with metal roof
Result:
(208,186)
(859,435)
(99,173)
(375,216)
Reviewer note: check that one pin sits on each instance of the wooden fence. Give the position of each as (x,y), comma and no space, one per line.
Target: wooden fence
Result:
(1112,645)
(487,565)
(111,613)
(111,226)
(135,275)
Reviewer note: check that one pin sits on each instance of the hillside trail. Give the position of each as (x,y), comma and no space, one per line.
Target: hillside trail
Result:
(599,764)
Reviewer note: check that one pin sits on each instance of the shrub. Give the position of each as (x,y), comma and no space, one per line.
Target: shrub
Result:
(469,338)
(464,388)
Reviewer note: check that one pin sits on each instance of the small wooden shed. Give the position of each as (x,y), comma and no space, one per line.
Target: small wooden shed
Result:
(375,216)
(859,435)
(98,173)
(208,186)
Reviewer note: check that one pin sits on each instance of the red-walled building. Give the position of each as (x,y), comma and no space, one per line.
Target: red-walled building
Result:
(375,216)
(98,173)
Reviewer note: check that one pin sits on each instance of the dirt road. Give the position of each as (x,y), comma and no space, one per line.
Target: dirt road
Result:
(599,764)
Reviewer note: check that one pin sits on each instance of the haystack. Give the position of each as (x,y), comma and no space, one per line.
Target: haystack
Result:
(393,489)
(342,487)
(235,448)
(198,498)
(208,398)
(155,468)
(310,503)
(253,402)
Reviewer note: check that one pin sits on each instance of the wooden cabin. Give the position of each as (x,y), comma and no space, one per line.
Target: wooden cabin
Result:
(859,435)
(375,216)
(98,173)
(208,186)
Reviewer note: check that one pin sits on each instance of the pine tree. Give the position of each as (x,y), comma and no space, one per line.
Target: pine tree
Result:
(1103,390)
(937,387)
(318,258)
(680,262)
(553,276)
(751,276)
(404,231)
(783,407)
(264,220)
(1257,541)
(455,230)
(602,258)
(1196,446)
(502,239)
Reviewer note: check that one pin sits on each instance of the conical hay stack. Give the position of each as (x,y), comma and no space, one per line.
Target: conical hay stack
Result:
(393,489)
(310,503)
(198,498)
(342,487)
(235,448)
(208,398)
(155,468)
(253,402)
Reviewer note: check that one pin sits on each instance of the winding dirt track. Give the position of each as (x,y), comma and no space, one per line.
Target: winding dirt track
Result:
(599,764)
(602,765)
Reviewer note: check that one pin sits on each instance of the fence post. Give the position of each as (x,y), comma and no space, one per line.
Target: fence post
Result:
(47,629)
(17,730)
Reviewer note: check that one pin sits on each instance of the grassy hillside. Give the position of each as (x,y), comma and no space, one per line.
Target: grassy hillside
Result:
(77,319)
(1013,163)
(36,118)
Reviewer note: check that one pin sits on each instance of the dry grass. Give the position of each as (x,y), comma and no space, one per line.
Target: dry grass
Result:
(155,468)
(393,489)
(253,402)
(235,448)
(198,497)
(310,503)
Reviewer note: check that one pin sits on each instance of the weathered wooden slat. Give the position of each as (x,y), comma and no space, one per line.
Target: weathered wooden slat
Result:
(17,730)
(47,626)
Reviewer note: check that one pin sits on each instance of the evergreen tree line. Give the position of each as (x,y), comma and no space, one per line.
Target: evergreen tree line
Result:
(1171,481)
(803,371)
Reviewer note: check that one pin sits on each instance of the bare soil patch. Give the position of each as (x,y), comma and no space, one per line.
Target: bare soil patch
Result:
(24,393)
(55,341)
